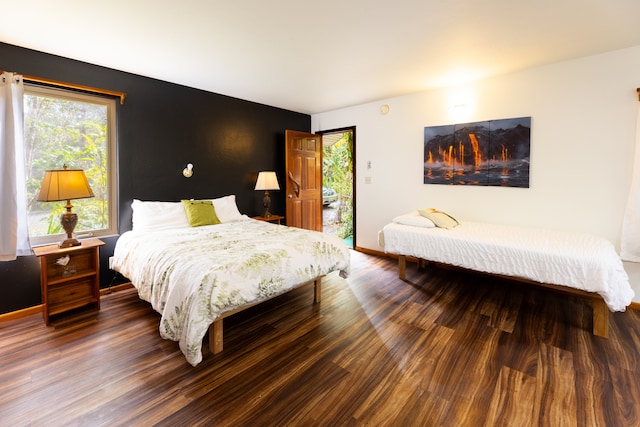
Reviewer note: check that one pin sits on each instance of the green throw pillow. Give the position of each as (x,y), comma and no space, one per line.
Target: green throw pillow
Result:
(440,219)
(200,212)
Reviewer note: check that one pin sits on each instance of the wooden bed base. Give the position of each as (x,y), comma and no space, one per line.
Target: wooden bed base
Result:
(600,309)
(215,330)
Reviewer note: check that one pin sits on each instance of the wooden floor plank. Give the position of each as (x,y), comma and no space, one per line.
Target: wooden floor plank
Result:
(511,401)
(442,347)
(555,395)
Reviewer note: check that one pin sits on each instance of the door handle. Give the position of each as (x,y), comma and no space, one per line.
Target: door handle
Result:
(296,185)
(289,196)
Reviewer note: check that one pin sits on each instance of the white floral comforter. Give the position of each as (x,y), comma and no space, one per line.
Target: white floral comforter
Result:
(193,275)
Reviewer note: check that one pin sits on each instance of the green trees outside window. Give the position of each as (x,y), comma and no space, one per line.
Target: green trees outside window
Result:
(73,129)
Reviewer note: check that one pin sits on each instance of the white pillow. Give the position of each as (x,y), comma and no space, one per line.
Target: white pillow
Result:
(414,219)
(226,209)
(154,216)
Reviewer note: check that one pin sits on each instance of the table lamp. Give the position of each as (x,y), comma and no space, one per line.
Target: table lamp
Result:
(267,181)
(65,184)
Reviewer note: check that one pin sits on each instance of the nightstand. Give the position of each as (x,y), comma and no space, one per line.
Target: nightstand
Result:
(272,218)
(70,277)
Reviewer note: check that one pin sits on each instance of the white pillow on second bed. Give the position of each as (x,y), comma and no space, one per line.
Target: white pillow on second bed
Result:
(414,219)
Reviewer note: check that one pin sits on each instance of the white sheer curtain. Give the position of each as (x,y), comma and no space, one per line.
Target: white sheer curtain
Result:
(14,234)
(630,242)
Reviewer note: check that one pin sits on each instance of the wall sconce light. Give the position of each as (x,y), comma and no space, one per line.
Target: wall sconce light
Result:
(188,171)
(462,105)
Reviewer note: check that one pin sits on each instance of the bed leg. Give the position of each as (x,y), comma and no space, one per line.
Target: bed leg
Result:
(402,267)
(215,336)
(600,318)
(317,290)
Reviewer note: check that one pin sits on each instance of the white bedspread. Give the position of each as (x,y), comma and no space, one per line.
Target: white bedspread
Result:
(193,275)
(570,259)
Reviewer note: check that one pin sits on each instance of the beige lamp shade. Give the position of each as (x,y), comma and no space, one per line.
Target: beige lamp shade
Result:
(65,184)
(267,181)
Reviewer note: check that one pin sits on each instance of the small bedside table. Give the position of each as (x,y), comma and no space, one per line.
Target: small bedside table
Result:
(272,218)
(65,287)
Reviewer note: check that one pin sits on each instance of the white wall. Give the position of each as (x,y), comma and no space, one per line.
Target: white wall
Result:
(583,120)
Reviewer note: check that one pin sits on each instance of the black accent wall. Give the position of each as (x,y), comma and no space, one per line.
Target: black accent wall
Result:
(161,127)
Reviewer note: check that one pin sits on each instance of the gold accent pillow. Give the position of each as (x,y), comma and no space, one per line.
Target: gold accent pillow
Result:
(440,219)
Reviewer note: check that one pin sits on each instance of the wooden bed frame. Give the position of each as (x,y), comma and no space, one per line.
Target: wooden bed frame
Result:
(600,309)
(215,329)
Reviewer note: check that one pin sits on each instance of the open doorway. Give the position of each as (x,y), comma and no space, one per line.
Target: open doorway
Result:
(338,183)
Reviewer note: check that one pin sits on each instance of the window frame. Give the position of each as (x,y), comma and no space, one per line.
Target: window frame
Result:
(111,154)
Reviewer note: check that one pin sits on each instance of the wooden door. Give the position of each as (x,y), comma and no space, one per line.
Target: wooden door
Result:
(303,163)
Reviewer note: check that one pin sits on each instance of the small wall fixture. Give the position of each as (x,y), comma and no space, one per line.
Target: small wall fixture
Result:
(188,171)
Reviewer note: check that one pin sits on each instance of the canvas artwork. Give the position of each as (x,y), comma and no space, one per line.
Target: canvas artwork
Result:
(490,153)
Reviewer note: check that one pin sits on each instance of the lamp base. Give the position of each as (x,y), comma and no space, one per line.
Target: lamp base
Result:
(68,220)
(68,243)
(266,201)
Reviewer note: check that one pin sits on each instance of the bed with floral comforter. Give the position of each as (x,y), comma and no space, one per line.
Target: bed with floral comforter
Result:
(193,275)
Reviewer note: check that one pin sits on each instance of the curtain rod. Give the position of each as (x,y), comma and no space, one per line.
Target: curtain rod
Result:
(33,79)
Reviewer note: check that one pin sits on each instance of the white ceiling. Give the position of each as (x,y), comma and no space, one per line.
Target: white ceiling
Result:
(318,56)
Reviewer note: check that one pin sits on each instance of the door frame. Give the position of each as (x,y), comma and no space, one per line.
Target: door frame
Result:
(351,129)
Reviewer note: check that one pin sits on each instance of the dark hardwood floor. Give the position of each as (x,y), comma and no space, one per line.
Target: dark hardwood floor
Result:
(444,348)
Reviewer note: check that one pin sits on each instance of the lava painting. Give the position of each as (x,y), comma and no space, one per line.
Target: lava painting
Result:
(490,153)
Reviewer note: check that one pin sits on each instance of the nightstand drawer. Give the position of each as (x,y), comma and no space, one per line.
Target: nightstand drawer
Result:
(71,294)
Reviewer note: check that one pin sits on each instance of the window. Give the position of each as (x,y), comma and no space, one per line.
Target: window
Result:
(77,130)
